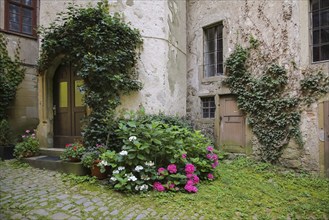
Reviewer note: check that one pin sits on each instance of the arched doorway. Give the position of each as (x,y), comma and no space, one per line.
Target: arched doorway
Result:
(68,107)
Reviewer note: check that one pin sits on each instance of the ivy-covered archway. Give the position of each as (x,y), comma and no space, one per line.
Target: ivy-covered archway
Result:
(103,50)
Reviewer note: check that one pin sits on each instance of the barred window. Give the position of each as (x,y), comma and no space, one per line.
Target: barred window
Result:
(21,16)
(320,29)
(213,51)
(208,107)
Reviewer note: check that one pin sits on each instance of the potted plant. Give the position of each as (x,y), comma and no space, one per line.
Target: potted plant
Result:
(6,143)
(28,147)
(92,160)
(73,152)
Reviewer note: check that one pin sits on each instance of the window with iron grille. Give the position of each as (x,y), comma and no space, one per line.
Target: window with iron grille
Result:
(320,29)
(208,107)
(21,16)
(213,50)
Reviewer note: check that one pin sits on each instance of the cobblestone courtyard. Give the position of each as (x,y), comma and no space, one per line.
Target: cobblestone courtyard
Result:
(29,193)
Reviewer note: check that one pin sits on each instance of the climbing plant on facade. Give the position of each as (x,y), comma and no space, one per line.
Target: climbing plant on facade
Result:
(273,109)
(11,75)
(103,50)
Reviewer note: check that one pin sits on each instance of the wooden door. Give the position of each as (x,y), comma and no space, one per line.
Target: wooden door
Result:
(68,106)
(232,125)
(326,137)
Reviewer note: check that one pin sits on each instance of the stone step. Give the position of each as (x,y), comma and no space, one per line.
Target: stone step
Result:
(53,152)
(56,164)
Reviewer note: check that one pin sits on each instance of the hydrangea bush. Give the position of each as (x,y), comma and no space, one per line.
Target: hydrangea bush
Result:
(159,156)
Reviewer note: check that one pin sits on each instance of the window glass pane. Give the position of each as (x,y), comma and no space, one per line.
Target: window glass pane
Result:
(324,18)
(324,3)
(211,33)
(325,35)
(205,104)
(13,9)
(316,54)
(315,19)
(210,46)
(220,69)
(27,13)
(219,44)
(325,52)
(27,2)
(13,26)
(63,93)
(14,18)
(27,21)
(210,70)
(27,29)
(78,93)
(315,5)
(206,113)
(210,59)
(316,37)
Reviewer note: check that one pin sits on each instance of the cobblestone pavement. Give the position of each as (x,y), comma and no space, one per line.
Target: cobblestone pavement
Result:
(29,193)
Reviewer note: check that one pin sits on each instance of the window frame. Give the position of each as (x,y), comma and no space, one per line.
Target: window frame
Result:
(319,28)
(21,5)
(210,107)
(219,28)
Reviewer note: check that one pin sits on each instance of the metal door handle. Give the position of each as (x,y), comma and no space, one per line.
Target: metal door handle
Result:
(54,110)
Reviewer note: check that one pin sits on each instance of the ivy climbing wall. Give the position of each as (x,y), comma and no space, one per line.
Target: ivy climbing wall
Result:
(281,31)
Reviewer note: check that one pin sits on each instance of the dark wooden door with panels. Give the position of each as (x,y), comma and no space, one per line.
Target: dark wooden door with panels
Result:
(68,107)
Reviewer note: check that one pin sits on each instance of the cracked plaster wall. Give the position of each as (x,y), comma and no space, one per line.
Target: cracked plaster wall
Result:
(283,29)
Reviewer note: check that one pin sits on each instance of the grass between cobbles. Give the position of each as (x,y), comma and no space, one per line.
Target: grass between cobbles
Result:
(244,190)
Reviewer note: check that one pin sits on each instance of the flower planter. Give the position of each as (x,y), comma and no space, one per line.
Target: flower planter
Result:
(74,159)
(96,171)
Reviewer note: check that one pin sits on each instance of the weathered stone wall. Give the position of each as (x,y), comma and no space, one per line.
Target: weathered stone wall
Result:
(282,27)
(23,113)
(162,66)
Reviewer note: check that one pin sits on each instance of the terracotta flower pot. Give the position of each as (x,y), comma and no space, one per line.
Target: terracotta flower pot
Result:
(96,171)
(74,159)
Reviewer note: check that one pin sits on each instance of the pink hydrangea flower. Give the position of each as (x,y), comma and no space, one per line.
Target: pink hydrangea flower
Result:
(189,175)
(172,168)
(196,179)
(158,186)
(27,131)
(190,182)
(215,164)
(191,188)
(209,156)
(210,176)
(161,170)
(189,168)
(214,157)
(171,186)
(210,148)
(183,156)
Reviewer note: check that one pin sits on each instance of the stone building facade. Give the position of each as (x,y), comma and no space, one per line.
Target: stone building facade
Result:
(182,66)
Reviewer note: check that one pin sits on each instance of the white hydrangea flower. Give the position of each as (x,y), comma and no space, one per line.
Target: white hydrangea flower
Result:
(137,188)
(149,164)
(139,168)
(113,179)
(104,163)
(121,168)
(131,177)
(115,171)
(144,187)
(132,138)
(123,153)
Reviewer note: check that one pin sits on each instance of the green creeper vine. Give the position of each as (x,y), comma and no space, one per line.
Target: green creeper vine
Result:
(103,50)
(274,114)
(11,75)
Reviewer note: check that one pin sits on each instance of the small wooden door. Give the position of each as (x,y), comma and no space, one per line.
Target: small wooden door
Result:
(68,106)
(232,125)
(326,137)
